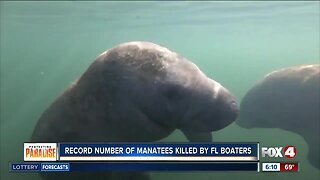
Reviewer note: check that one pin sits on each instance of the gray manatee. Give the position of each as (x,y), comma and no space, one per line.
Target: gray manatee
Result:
(288,99)
(137,92)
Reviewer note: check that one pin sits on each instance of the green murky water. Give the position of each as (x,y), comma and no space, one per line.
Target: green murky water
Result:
(47,45)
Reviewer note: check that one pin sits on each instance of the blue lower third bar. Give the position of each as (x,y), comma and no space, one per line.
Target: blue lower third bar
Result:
(133,166)
(252,166)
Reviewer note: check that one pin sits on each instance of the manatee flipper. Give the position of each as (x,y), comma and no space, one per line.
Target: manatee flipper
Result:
(198,136)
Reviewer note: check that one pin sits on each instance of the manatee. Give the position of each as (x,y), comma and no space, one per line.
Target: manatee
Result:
(137,92)
(287,99)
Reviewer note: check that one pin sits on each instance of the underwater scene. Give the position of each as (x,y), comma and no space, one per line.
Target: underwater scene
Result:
(261,52)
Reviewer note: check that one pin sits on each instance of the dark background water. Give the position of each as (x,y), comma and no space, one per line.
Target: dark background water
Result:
(47,45)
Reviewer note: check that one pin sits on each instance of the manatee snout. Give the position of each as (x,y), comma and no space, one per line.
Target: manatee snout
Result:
(250,111)
(212,111)
(229,109)
(246,117)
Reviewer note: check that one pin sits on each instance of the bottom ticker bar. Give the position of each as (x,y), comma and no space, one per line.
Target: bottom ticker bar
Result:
(164,166)
(141,166)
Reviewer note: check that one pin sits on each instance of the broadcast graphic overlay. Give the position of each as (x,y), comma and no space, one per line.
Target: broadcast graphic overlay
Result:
(286,153)
(52,157)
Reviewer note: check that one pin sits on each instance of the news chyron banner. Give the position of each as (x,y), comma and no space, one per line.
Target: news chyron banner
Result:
(139,157)
(158,152)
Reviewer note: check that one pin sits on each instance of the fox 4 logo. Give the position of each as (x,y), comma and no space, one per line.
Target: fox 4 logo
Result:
(289,151)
